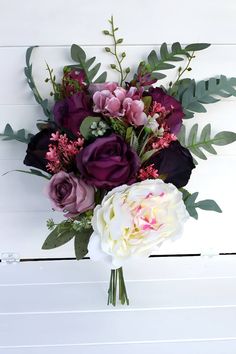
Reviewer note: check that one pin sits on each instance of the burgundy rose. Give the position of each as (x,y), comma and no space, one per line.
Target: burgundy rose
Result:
(170,109)
(70,194)
(70,112)
(73,81)
(108,162)
(37,149)
(176,162)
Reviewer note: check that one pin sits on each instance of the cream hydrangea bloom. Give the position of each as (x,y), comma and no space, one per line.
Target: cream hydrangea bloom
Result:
(134,220)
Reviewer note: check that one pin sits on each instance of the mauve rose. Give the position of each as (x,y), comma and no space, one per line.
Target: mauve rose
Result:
(70,112)
(134,112)
(108,162)
(172,107)
(70,194)
(37,149)
(176,162)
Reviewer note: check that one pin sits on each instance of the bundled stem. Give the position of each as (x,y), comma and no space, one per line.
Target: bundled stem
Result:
(117,280)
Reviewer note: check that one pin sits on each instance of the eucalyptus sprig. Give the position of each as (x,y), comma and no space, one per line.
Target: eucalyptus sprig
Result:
(119,57)
(55,86)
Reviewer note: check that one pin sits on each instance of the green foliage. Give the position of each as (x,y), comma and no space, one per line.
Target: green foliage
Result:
(30,80)
(32,171)
(205,141)
(81,243)
(79,56)
(194,95)
(118,126)
(160,61)
(191,204)
(62,234)
(146,156)
(20,135)
(132,138)
(85,128)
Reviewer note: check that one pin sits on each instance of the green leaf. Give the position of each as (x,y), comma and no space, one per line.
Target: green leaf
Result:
(191,204)
(160,61)
(85,128)
(79,56)
(20,135)
(62,234)
(224,138)
(147,100)
(208,204)
(32,171)
(101,78)
(30,80)
(193,95)
(146,156)
(205,141)
(134,141)
(81,243)
(196,47)
(128,136)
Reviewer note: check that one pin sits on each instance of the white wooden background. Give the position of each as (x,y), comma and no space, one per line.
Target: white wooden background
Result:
(182,305)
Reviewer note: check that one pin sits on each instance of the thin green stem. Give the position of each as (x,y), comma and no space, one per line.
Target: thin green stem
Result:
(117,280)
(185,69)
(115,51)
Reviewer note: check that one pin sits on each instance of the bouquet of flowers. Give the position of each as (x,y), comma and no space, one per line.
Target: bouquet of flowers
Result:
(117,155)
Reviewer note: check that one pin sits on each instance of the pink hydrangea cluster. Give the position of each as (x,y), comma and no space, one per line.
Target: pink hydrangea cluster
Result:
(62,152)
(115,101)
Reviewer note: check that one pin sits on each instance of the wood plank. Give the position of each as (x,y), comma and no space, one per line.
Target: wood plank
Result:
(86,271)
(216,60)
(117,326)
(217,346)
(47,24)
(89,297)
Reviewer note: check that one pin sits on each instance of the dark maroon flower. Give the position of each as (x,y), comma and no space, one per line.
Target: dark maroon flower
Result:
(70,112)
(37,149)
(108,162)
(176,162)
(73,81)
(170,108)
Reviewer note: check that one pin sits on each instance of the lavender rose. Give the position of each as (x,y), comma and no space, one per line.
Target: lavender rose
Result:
(70,112)
(170,109)
(37,149)
(176,162)
(70,194)
(108,162)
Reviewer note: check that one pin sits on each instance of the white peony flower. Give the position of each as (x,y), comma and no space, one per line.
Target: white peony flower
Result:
(133,221)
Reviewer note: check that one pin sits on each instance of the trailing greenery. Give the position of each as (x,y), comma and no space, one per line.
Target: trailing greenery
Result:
(191,204)
(79,56)
(20,135)
(205,141)
(160,61)
(32,171)
(194,95)
(30,80)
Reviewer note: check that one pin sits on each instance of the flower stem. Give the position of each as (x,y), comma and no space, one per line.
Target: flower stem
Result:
(115,278)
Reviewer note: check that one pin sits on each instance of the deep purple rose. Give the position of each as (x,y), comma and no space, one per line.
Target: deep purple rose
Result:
(176,162)
(70,112)
(108,162)
(70,194)
(37,149)
(170,108)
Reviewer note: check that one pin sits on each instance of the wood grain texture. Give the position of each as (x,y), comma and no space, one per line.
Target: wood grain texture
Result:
(59,24)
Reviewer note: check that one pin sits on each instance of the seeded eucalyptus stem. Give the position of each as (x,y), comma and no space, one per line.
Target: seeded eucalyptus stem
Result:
(119,57)
(117,278)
